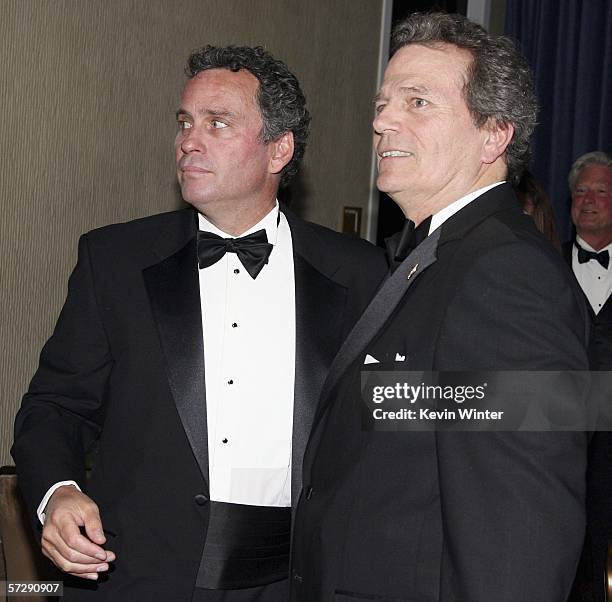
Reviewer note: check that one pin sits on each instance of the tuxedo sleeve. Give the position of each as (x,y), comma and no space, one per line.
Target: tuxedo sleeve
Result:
(62,413)
(512,502)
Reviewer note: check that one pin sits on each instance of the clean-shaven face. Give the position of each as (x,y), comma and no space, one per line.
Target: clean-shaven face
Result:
(220,157)
(427,145)
(592,200)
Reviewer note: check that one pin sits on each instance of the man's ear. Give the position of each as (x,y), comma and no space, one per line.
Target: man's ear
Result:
(281,152)
(497,138)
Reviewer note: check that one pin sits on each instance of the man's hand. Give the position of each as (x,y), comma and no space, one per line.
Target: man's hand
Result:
(73,552)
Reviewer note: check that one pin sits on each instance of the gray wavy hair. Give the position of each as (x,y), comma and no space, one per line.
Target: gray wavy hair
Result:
(592,158)
(499,85)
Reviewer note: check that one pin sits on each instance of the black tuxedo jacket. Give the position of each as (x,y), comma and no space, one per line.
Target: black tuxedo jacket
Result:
(125,367)
(450,516)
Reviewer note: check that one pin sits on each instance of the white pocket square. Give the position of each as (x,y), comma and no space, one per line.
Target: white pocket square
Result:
(400,358)
(370,360)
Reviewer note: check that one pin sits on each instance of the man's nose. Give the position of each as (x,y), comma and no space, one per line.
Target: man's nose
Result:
(191,141)
(386,120)
(588,196)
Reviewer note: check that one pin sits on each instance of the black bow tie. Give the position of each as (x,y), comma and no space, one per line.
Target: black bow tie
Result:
(253,250)
(411,237)
(603,257)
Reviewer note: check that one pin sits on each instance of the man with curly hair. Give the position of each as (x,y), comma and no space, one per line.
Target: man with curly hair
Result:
(439,515)
(192,348)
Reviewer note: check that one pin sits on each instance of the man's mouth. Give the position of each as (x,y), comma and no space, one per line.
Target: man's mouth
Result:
(193,169)
(394,153)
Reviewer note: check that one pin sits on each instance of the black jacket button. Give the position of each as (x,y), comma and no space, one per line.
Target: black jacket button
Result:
(200,499)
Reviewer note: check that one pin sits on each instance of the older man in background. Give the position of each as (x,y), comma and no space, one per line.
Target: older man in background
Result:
(590,184)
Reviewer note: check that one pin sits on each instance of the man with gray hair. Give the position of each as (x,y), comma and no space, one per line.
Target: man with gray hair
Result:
(432,514)
(590,184)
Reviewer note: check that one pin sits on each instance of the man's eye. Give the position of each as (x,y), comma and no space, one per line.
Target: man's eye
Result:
(378,108)
(183,125)
(218,125)
(420,102)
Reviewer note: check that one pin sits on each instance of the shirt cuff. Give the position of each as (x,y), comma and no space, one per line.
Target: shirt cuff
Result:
(45,500)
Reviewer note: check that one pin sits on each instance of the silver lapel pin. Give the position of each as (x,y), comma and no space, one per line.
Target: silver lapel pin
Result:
(412,271)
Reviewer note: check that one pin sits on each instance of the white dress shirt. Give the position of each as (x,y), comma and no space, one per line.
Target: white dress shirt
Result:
(594,279)
(249,359)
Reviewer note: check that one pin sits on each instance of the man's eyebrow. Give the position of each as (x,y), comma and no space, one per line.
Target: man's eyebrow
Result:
(207,112)
(404,90)
(218,112)
(414,90)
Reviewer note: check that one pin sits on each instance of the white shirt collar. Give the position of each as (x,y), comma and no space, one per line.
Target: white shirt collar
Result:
(269,223)
(585,245)
(439,218)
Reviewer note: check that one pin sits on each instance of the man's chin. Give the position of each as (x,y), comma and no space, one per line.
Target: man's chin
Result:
(384,183)
(388,187)
(589,225)
(195,196)
(199,203)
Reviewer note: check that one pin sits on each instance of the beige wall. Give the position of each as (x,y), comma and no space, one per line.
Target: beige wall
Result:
(88,90)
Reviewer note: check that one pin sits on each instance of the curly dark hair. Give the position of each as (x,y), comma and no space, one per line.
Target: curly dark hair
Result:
(499,85)
(281,101)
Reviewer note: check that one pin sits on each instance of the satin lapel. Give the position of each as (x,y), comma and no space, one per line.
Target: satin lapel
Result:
(320,302)
(173,289)
(319,307)
(379,310)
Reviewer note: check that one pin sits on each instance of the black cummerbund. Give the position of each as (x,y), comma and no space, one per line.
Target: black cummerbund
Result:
(245,546)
